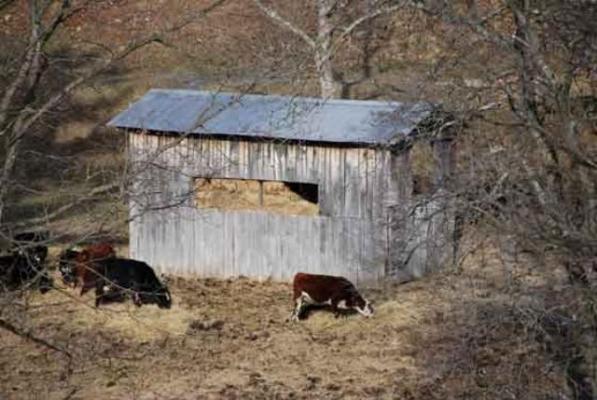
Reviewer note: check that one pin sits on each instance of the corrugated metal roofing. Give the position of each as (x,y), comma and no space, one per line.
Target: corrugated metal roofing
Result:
(276,117)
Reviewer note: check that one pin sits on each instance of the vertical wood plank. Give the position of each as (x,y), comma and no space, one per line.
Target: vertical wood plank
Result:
(228,243)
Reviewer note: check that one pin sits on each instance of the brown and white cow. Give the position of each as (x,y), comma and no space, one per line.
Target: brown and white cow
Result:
(334,291)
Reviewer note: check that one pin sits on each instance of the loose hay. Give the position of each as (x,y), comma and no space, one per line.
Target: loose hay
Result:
(121,319)
(228,339)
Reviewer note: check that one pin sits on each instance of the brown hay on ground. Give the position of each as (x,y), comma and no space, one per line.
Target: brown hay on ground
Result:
(428,339)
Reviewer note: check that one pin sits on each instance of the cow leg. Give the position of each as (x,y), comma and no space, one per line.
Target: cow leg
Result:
(88,282)
(296,312)
(293,314)
(335,309)
(338,305)
(99,293)
(137,299)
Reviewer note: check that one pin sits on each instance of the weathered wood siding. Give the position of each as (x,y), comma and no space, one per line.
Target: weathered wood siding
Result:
(348,238)
(256,244)
(368,225)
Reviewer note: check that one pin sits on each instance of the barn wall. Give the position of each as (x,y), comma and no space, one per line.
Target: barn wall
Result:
(353,182)
(348,238)
(421,230)
(255,244)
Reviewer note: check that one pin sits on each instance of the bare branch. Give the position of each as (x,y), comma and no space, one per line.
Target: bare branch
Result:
(329,7)
(39,36)
(5,3)
(273,14)
(61,210)
(479,26)
(27,117)
(367,17)
(12,88)
(28,336)
(129,49)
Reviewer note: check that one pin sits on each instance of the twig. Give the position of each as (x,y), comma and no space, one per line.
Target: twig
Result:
(28,336)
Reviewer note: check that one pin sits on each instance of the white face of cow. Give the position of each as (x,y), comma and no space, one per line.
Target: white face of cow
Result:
(366,310)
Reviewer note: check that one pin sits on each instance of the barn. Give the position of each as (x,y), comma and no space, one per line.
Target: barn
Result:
(233,184)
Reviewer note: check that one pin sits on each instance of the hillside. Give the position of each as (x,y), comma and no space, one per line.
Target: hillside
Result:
(514,318)
(450,336)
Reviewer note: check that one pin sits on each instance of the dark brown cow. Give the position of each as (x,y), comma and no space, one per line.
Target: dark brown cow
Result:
(79,266)
(334,291)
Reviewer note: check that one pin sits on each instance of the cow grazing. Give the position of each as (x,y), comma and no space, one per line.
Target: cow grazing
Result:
(31,245)
(334,291)
(25,266)
(76,266)
(118,278)
(66,266)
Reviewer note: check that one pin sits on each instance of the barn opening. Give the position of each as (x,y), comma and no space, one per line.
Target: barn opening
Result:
(291,198)
(422,166)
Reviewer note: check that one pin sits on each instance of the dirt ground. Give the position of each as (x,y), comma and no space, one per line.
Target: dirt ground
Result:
(452,335)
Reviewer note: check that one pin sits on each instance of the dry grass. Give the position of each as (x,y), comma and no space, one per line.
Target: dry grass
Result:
(448,336)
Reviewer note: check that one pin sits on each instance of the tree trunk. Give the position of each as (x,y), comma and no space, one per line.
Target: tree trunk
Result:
(330,86)
(7,169)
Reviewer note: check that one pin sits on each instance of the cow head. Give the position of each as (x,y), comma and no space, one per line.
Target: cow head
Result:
(31,245)
(164,300)
(66,265)
(39,255)
(160,296)
(35,255)
(362,306)
(33,266)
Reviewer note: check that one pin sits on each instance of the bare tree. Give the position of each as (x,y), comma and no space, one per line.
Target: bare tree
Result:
(30,97)
(531,169)
(26,99)
(335,23)
(545,84)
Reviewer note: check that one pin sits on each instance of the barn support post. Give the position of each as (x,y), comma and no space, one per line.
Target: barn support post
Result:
(442,237)
(444,154)
(421,229)
(399,225)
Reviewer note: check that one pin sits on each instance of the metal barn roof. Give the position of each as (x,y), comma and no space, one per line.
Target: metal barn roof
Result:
(276,117)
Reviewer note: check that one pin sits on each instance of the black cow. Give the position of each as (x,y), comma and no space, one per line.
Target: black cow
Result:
(119,278)
(325,290)
(25,266)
